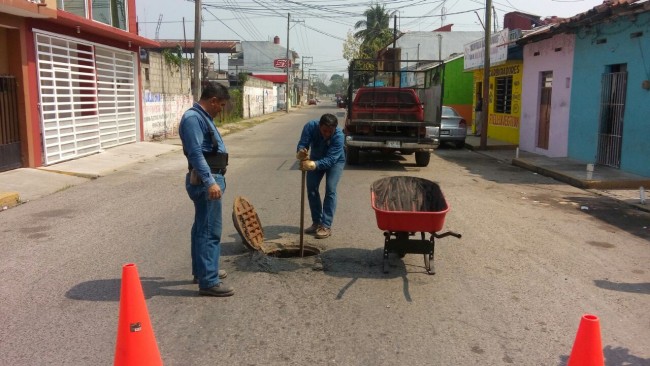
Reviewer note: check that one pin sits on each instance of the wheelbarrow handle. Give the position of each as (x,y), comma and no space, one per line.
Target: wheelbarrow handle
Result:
(447,233)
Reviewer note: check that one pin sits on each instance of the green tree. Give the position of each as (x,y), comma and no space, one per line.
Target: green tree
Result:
(374,32)
(351,47)
(338,84)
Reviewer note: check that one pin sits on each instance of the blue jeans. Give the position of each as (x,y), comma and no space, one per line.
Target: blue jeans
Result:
(206,232)
(323,214)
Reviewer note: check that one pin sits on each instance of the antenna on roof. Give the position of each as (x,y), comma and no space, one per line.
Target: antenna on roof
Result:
(158,25)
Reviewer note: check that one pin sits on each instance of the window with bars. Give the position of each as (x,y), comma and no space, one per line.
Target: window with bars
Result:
(503,100)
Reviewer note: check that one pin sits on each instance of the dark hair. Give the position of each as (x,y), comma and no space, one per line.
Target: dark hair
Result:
(213,89)
(328,120)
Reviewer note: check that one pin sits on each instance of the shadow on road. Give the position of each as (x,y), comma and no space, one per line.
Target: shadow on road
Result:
(635,288)
(371,160)
(615,213)
(616,356)
(356,263)
(109,289)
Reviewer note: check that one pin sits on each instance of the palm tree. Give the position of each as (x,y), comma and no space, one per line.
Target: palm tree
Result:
(375,31)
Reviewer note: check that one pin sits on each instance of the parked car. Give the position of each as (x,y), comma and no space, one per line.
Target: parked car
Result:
(312,102)
(453,127)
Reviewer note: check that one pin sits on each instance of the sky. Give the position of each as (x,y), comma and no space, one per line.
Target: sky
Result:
(318,28)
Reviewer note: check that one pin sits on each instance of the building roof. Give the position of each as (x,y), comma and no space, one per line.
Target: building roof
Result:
(608,10)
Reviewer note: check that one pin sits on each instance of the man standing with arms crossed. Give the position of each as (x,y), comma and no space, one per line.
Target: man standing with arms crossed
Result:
(205,183)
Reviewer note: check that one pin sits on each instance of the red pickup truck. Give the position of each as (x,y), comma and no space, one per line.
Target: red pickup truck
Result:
(388,119)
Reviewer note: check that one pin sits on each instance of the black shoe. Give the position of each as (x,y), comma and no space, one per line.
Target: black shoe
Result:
(222,274)
(218,290)
(312,229)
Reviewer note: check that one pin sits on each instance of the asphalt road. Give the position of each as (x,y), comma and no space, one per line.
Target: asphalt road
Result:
(534,257)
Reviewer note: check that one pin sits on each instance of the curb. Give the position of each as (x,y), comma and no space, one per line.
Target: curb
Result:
(490,147)
(9,199)
(585,184)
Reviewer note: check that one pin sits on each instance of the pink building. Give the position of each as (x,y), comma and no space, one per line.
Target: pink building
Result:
(546,97)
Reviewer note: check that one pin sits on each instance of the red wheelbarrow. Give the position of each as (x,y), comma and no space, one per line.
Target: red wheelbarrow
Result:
(405,206)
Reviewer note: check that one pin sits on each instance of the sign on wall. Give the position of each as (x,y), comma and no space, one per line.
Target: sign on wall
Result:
(281,63)
(474,55)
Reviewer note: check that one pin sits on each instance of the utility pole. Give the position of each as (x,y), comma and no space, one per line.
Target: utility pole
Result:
(486,76)
(309,84)
(302,76)
(197,50)
(287,97)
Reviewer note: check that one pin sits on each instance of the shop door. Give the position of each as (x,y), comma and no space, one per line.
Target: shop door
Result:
(610,137)
(9,124)
(544,121)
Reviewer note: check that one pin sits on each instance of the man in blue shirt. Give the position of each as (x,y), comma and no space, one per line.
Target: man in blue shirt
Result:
(326,157)
(205,183)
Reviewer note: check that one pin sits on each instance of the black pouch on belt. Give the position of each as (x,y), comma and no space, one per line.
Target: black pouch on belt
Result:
(216,161)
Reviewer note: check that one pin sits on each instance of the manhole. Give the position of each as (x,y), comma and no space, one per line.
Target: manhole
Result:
(293,251)
(248,225)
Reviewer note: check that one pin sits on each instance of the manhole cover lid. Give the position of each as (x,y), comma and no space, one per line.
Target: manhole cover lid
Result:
(247,223)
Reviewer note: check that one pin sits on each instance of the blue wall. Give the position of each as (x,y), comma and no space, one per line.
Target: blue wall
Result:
(590,63)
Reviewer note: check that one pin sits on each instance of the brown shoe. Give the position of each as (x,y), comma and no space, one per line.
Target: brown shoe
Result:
(323,232)
(312,229)
(222,274)
(218,290)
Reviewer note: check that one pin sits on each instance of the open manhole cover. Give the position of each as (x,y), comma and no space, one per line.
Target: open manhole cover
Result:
(248,225)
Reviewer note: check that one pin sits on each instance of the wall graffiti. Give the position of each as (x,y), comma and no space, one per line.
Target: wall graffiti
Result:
(162,114)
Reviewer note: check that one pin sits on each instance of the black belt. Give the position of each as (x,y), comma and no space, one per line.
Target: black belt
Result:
(221,171)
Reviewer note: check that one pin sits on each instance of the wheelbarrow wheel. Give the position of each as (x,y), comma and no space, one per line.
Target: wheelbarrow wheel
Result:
(428,258)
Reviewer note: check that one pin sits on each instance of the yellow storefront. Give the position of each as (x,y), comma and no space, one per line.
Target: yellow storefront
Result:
(505,100)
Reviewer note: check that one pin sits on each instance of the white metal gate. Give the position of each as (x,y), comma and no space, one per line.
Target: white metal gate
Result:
(87,97)
(116,93)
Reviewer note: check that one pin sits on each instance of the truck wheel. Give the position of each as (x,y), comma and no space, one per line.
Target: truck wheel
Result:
(352,157)
(422,158)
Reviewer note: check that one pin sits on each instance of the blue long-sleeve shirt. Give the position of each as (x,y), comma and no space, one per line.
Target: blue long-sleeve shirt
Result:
(194,130)
(325,153)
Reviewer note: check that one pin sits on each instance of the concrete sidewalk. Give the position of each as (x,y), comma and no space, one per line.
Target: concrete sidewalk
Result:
(26,184)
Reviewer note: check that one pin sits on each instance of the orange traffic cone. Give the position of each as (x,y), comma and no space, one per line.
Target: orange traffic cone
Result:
(587,348)
(136,343)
